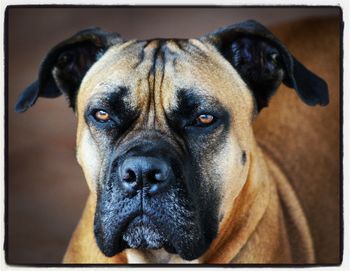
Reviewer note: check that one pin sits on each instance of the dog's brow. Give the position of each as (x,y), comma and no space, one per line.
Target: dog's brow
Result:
(192,98)
(111,97)
(110,87)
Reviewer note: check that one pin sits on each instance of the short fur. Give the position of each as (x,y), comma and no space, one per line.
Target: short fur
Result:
(228,201)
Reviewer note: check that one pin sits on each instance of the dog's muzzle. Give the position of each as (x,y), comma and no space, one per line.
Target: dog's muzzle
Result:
(149,199)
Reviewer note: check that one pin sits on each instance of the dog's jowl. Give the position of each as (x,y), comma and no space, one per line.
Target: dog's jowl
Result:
(166,144)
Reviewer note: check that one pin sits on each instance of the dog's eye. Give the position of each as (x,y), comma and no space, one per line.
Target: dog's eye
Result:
(204,120)
(274,57)
(101,116)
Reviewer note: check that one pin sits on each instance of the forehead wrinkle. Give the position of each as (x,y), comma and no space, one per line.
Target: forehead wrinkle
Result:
(156,79)
(108,88)
(115,67)
(165,56)
(175,46)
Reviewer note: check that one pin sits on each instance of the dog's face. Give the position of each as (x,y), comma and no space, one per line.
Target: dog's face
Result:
(161,137)
(164,127)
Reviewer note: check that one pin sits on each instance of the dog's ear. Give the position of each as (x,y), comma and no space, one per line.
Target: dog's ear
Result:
(65,65)
(264,62)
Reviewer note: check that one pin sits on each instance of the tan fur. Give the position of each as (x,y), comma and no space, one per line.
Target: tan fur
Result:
(263,221)
(85,250)
(304,141)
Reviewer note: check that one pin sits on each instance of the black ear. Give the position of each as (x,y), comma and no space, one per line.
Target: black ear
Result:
(264,62)
(65,66)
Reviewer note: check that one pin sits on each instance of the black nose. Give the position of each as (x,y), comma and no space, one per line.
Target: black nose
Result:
(149,173)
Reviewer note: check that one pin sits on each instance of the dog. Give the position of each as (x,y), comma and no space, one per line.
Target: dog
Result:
(166,143)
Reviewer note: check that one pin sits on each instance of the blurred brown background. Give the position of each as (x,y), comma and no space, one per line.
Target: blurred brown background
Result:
(46,188)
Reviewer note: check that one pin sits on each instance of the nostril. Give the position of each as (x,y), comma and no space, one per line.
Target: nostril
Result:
(129,176)
(155,176)
(156,180)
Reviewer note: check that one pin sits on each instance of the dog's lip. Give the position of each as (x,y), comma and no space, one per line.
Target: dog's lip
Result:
(145,223)
(167,245)
(131,219)
(140,215)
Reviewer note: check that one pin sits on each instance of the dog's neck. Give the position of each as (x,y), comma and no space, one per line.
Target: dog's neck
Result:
(249,208)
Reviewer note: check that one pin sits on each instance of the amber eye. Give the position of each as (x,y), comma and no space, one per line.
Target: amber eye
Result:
(205,119)
(102,116)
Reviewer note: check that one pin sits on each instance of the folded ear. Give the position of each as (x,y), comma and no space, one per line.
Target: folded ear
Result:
(264,62)
(65,66)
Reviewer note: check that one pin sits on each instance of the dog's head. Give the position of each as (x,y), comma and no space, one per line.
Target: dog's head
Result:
(164,126)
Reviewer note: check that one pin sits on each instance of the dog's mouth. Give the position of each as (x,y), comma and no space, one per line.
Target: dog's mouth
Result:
(143,233)
(168,222)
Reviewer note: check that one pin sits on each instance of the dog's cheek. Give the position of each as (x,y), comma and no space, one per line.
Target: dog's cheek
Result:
(89,159)
(233,172)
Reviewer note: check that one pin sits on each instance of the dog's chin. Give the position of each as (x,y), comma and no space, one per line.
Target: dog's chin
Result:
(141,233)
